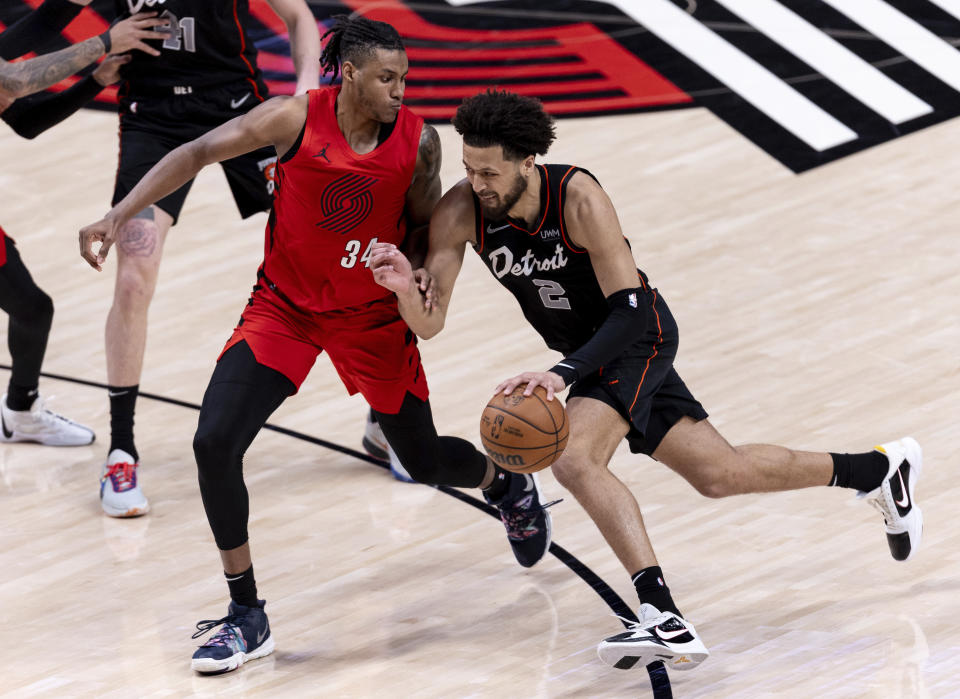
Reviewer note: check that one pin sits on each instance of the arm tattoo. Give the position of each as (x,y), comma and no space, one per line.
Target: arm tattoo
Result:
(36,74)
(429,152)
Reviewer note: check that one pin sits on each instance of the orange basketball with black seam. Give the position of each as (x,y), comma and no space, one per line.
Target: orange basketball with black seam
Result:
(524,434)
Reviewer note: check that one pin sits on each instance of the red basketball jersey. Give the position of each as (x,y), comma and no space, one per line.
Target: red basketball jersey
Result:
(331,204)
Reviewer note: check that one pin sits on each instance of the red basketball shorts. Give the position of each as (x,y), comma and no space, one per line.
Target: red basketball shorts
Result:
(371,347)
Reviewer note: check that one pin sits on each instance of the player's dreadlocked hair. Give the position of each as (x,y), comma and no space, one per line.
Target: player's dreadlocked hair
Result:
(497,118)
(354,39)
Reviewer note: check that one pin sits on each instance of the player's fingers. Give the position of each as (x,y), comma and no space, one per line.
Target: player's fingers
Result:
(144,34)
(145,48)
(104,250)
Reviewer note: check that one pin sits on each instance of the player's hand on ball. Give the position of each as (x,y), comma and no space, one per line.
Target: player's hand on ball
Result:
(551,382)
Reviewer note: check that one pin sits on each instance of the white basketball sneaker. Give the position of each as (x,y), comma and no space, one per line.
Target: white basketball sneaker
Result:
(895,499)
(120,494)
(662,636)
(374,442)
(397,469)
(41,425)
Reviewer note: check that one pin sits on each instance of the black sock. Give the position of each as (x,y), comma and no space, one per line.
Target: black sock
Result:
(651,589)
(243,588)
(123,400)
(500,485)
(20,397)
(861,471)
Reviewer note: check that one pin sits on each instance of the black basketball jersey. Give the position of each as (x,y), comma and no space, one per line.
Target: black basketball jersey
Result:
(208,46)
(550,276)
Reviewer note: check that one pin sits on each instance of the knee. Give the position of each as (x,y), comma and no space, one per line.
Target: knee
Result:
(571,471)
(715,482)
(135,284)
(214,448)
(36,309)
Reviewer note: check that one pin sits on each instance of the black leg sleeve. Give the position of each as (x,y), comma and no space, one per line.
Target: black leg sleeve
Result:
(427,457)
(241,395)
(31,314)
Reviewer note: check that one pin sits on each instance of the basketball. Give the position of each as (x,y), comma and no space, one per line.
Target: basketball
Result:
(524,434)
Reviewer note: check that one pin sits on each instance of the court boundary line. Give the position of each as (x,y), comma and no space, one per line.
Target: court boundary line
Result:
(659,680)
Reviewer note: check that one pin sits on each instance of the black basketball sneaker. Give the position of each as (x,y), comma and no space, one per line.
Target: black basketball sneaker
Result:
(662,636)
(895,498)
(526,519)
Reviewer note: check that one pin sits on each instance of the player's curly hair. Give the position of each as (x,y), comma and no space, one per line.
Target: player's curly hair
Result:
(499,118)
(354,39)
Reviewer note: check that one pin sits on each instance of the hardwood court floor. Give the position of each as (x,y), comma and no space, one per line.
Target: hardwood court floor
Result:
(817,311)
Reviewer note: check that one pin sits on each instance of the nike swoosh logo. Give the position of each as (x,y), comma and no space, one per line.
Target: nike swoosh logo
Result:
(6,433)
(236,103)
(903,489)
(261,636)
(494,230)
(667,635)
(114,394)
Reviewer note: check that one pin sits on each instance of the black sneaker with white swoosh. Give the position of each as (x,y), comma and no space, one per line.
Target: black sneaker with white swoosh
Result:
(244,635)
(896,499)
(657,635)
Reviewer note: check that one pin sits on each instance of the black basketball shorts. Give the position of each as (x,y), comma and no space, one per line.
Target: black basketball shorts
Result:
(642,385)
(151,127)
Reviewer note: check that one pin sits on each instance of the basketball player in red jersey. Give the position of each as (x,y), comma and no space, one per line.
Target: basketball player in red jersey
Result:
(203,74)
(23,417)
(551,236)
(355,168)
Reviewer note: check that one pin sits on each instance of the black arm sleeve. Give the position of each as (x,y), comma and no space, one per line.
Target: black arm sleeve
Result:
(31,116)
(624,326)
(39,30)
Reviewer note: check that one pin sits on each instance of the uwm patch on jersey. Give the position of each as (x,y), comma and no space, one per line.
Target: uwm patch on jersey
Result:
(809,81)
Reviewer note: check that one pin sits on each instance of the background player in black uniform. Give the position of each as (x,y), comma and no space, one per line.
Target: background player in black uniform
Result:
(551,236)
(24,417)
(205,74)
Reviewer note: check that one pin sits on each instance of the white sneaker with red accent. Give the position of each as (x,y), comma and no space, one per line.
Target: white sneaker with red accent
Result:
(895,499)
(662,636)
(120,494)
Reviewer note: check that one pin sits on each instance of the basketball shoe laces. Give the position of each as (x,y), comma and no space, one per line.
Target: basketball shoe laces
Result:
(230,635)
(123,475)
(520,519)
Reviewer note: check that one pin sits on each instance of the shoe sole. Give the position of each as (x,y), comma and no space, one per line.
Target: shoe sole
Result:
(913,522)
(209,666)
(624,657)
(374,449)
(136,511)
(19,439)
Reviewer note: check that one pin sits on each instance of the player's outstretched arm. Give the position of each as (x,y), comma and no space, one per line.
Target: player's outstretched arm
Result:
(26,77)
(276,122)
(451,228)
(304,41)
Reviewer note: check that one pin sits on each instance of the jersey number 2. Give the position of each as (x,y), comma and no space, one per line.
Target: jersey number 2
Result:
(552,294)
(180,29)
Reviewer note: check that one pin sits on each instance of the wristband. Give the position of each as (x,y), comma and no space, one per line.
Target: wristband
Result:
(107,43)
(565,372)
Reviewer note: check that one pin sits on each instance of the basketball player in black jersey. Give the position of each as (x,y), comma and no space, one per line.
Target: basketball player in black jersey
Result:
(204,74)
(22,413)
(550,235)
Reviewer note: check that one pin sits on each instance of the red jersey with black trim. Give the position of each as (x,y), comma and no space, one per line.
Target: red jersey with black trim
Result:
(332,204)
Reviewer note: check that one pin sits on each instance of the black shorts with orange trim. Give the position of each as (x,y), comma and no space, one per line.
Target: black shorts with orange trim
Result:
(153,125)
(642,385)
